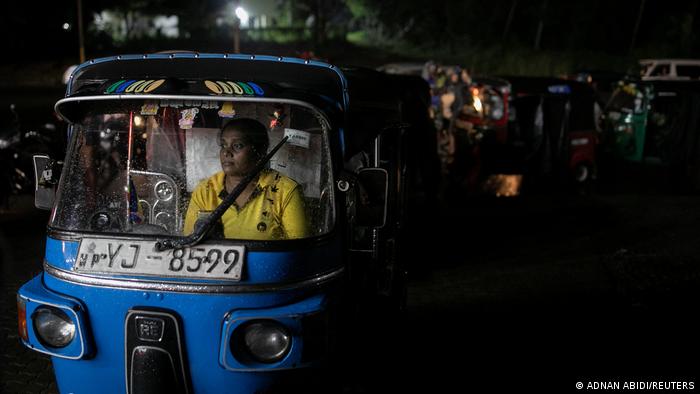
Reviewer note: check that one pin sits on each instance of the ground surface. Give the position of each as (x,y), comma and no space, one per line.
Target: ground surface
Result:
(538,293)
(21,254)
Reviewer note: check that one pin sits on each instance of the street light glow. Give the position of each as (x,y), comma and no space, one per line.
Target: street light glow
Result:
(66,26)
(242,14)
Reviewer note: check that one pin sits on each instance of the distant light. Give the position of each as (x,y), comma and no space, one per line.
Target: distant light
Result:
(66,26)
(242,14)
(478,106)
(167,25)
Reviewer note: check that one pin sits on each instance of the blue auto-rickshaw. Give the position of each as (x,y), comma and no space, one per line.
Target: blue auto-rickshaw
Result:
(129,303)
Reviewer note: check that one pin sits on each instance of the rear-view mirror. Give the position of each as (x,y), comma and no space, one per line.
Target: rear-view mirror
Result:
(46,177)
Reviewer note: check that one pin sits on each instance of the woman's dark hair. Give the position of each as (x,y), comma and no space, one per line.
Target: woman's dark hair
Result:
(254,132)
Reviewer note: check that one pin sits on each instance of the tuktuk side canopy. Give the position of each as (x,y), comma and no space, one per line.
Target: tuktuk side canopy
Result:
(380,102)
(361,102)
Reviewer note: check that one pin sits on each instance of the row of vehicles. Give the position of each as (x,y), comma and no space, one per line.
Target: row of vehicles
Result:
(511,132)
(655,123)
(129,301)
(500,134)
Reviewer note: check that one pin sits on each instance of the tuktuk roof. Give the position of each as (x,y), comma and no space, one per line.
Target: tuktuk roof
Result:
(214,75)
(364,101)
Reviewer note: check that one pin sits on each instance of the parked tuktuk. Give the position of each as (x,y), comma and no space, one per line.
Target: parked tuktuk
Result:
(655,123)
(130,302)
(625,118)
(556,128)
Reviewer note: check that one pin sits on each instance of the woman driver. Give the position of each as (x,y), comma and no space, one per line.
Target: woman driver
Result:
(270,207)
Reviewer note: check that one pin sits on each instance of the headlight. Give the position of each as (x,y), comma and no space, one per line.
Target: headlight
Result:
(53,327)
(264,341)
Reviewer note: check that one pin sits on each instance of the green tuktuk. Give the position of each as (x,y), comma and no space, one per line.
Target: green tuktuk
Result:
(625,120)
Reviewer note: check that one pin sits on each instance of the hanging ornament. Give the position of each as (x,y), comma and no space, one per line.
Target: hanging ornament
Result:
(278,117)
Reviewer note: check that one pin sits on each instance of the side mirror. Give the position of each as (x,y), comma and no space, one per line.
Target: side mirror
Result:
(372,199)
(46,179)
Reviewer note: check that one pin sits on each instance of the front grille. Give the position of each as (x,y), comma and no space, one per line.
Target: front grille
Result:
(154,352)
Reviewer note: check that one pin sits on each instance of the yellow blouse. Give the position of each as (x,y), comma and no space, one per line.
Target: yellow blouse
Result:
(275,210)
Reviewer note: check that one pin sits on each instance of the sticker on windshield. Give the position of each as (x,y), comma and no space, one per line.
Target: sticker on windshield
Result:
(149,108)
(234,88)
(134,86)
(171,103)
(227,110)
(297,137)
(210,105)
(188,116)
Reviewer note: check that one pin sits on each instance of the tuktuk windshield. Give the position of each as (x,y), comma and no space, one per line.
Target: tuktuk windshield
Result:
(157,167)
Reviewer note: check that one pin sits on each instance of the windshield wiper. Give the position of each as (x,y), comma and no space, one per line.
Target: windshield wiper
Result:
(206,225)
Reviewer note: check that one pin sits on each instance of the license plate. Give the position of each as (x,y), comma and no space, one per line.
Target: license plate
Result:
(109,256)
